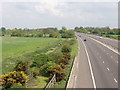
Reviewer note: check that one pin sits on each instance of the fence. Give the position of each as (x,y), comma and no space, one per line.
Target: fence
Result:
(51,83)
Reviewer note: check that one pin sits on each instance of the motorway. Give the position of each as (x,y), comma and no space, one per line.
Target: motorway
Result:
(97,65)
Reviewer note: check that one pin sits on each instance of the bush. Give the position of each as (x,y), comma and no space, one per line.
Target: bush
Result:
(56,55)
(13,78)
(67,56)
(44,68)
(63,61)
(107,35)
(68,34)
(35,73)
(60,75)
(40,60)
(21,66)
(66,48)
(72,41)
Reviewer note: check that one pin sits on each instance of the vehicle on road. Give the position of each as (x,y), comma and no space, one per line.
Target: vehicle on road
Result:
(85,40)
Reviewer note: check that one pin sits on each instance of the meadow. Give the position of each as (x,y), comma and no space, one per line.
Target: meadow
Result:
(16,46)
(15,49)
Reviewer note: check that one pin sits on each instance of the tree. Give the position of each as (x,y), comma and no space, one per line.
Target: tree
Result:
(66,48)
(64,28)
(53,34)
(68,34)
(3,29)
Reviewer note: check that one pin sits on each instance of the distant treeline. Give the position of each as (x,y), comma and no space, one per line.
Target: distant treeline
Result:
(42,32)
(98,30)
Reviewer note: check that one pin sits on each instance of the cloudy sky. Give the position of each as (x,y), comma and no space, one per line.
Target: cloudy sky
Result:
(58,14)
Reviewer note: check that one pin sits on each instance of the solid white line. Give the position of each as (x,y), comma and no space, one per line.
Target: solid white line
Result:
(106,46)
(115,80)
(93,79)
(108,69)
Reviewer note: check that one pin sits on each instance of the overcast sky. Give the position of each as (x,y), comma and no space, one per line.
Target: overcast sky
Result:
(58,14)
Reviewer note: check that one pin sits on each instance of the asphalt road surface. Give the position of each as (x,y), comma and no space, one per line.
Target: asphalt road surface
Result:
(97,65)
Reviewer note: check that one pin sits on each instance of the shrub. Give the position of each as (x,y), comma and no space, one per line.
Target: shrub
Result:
(68,34)
(13,78)
(66,48)
(21,66)
(107,35)
(67,56)
(56,55)
(40,60)
(44,68)
(35,73)
(60,75)
(63,61)
(72,41)
(62,65)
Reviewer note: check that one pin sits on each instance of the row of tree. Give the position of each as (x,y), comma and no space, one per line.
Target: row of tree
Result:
(44,32)
(98,30)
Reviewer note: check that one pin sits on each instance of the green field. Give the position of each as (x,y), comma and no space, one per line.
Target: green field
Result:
(15,49)
(16,46)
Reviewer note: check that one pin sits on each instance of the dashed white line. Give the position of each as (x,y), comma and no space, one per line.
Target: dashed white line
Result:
(103,62)
(108,69)
(106,46)
(77,65)
(116,61)
(115,80)
(111,56)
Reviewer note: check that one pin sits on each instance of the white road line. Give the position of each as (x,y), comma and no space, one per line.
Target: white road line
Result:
(103,62)
(105,46)
(100,57)
(77,65)
(93,78)
(116,61)
(115,80)
(111,56)
(108,69)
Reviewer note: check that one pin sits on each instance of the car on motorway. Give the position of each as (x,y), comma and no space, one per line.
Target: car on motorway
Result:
(85,40)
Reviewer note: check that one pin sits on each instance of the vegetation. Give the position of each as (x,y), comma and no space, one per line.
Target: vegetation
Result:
(13,78)
(37,53)
(104,31)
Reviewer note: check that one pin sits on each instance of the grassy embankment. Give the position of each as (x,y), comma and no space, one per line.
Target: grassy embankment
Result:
(67,70)
(19,48)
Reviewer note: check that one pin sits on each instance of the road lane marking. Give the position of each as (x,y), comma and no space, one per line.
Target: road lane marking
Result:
(103,62)
(111,56)
(77,65)
(116,61)
(115,80)
(100,57)
(93,78)
(106,46)
(108,69)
